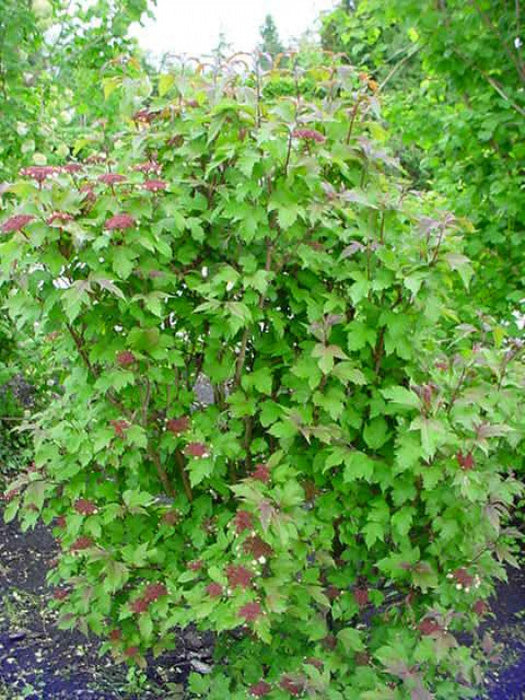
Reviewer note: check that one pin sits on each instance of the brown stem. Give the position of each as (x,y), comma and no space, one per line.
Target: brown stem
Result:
(352,120)
(181,462)
(379,350)
(288,154)
(457,388)
(163,476)
(248,429)
(80,347)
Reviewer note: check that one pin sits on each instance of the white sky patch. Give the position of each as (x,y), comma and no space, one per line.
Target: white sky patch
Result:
(192,27)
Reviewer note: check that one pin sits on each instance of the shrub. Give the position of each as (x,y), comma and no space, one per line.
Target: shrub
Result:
(267,427)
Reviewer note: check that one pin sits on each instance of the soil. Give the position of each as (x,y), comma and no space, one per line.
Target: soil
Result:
(38,661)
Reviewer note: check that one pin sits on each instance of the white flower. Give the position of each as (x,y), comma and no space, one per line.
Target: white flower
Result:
(517,43)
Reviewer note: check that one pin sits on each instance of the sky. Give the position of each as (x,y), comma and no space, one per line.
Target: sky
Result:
(193,26)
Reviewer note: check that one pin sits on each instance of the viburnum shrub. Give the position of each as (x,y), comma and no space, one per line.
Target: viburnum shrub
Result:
(266,426)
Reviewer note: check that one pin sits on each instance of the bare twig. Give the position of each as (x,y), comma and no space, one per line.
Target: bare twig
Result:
(399,65)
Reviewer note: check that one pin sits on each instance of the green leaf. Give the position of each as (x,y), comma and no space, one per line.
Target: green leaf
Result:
(145,626)
(351,640)
(136,498)
(117,575)
(144,338)
(123,262)
(11,510)
(260,379)
(424,576)
(373,532)
(359,335)
(200,469)
(376,433)
(401,396)
(358,466)
(166,82)
(402,520)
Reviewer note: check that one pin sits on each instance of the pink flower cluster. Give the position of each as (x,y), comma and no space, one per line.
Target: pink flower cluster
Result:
(239,576)
(125,358)
(178,425)
(111,178)
(309,135)
(155,185)
(120,222)
(85,507)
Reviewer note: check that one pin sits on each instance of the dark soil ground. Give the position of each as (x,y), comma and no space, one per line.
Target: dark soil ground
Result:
(40,662)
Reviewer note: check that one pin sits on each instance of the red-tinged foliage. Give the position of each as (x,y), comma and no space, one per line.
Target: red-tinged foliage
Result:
(214,590)
(131,652)
(332,592)
(139,606)
(81,543)
(292,684)
(362,658)
(178,425)
(243,520)
(195,565)
(155,185)
(115,635)
(111,178)
(145,116)
(120,222)
(329,642)
(10,495)
(60,593)
(39,172)
(250,612)
(429,627)
(309,135)
(154,591)
(125,358)
(172,517)
(463,577)
(196,449)
(16,223)
(120,427)
(466,462)
(261,473)
(361,596)
(260,689)
(71,168)
(85,507)
(481,608)
(61,217)
(317,663)
(239,576)
(257,547)
(148,167)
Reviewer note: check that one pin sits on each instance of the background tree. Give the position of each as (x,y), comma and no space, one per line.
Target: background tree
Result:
(271,43)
